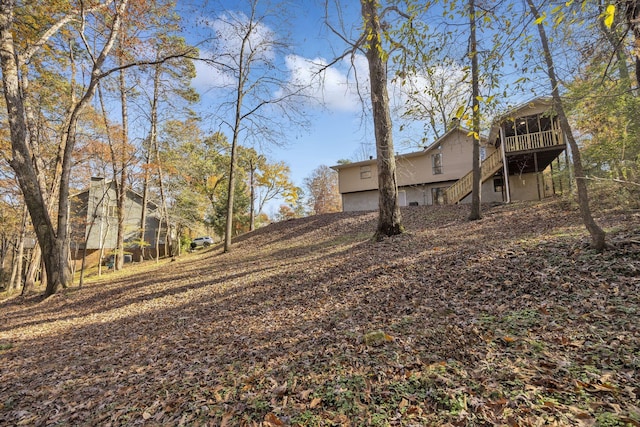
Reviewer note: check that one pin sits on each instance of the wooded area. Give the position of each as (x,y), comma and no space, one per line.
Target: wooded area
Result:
(76,76)
(480,314)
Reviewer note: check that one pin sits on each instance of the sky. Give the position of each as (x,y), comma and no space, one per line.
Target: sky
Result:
(337,127)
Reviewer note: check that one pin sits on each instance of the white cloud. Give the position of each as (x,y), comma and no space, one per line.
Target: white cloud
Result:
(335,86)
(208,77)
(229,29)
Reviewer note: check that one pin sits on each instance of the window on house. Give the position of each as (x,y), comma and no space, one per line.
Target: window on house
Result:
(365,172)
(498,184)
(436,162)
(112,211)
(437,195)
(483,153)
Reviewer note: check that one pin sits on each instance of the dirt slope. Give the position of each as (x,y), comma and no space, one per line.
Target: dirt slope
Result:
(511,320)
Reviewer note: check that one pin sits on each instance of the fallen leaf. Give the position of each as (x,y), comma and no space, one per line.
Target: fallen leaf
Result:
(315,402)
(272,420)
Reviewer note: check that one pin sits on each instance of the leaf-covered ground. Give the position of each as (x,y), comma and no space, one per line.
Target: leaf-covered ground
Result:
(511,320)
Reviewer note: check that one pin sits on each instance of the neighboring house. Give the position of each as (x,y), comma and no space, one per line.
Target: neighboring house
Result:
(94,217)
(528,136)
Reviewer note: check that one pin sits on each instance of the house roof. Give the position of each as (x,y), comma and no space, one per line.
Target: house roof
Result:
(108,183)
(422,152)
(520,110)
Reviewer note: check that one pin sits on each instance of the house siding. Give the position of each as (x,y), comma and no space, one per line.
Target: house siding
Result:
(98,206)
(415,173)
(360,201)
(422,176)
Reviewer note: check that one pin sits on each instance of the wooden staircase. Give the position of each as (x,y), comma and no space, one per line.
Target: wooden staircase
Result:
(462,187)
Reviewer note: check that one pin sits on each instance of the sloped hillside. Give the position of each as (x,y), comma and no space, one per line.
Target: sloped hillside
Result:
(511,320)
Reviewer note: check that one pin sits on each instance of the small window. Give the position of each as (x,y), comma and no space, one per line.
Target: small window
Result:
(365,172)
(436,162)
(498,184)
(483,153)
(112,211)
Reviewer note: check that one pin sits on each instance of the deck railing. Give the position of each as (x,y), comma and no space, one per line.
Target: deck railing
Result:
(534,141)
(462,187)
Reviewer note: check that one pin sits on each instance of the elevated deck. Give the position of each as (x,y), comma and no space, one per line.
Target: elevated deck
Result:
(548,139)
(525,153)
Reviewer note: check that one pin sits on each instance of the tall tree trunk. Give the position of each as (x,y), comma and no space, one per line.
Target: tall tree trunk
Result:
(21,160)
(152,141)
(632,13)
(121,187)
(18,257)
(233,163)
(597,234)
(53,241)
(389,218)
(231,188)
(476,189)
(252,196)
(164,212)
(145,201)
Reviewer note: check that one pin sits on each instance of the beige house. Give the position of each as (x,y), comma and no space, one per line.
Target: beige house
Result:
(94,218)
(528,136)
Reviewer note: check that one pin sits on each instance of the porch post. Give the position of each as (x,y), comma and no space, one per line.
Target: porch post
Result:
(505,167)
(553,181)
(567,165)
(535,165)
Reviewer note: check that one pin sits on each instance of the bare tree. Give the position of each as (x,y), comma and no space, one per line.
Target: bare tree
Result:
(475,213)
(260,96)
(597,234)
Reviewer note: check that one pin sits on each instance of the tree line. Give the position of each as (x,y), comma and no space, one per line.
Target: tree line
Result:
(103,88)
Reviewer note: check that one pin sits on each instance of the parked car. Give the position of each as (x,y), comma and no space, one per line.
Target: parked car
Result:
(205,241)
(111,260)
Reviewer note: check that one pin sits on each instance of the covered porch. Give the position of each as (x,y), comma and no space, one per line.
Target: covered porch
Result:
(529,138)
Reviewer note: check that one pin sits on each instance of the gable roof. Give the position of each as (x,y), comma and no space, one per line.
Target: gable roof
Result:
(422,152)
(108,184)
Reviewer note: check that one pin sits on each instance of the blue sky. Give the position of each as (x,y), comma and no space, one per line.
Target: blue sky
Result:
(338,129)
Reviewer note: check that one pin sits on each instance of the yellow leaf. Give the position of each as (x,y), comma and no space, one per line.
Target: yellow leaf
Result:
(609,14)
(541,19)
(403,404)
(460,111)
(315,402)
